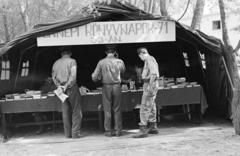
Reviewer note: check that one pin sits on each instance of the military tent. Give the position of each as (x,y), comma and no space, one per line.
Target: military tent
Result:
(204,53)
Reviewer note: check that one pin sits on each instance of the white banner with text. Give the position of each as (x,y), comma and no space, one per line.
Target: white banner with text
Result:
(113,32)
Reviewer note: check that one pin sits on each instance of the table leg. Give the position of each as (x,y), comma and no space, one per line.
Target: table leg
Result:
(100,117)
(136,116)
(199,113)
(54,122)
(100,120)
(196,113)
(4,127)
(184,109)
(188,112)
(158,116)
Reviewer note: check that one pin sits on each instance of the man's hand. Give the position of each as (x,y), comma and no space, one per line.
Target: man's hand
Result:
(149,88)
(152,89)
(63,88)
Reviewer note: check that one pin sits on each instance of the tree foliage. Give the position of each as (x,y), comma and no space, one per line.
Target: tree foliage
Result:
(18,16)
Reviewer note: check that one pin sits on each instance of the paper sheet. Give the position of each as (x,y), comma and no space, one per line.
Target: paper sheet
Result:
(60,94)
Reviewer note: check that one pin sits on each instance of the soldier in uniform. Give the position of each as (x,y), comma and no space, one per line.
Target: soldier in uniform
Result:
(108,70)
(64,73)
(148,111)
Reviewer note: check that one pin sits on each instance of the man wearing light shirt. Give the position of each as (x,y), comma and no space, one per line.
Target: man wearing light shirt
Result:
(148,109)
(64,73)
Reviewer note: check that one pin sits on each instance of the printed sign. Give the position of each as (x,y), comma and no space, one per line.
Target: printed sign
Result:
(113,32)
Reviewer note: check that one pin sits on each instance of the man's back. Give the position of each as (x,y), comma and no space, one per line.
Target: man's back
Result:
(62,68)
(109,69)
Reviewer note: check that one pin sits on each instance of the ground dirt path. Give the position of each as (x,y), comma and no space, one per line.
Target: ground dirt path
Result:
(211,138)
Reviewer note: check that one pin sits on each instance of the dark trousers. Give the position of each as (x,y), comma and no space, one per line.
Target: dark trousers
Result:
(111,98)
(72,112)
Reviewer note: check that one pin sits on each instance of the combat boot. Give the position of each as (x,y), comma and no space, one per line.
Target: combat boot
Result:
(143,132)
(153,128)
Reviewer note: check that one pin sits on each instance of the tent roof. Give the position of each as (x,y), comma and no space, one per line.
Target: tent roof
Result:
(114,12)
(1,45)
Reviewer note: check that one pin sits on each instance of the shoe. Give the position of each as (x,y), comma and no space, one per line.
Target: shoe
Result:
(118,133)
(153,128)
(113,133)
(143,132)
(69,136)
(40,130)
(108,134)
(76,136)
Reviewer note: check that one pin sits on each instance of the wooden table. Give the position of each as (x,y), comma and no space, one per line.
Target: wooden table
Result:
(93,103)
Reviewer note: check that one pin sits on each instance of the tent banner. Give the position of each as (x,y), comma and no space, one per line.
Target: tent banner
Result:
(113,32)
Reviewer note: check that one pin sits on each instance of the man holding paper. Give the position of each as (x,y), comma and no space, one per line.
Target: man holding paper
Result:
(64,73)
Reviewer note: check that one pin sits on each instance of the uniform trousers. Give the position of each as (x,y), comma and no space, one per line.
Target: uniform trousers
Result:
(72,112)
(148,110)
(111,98)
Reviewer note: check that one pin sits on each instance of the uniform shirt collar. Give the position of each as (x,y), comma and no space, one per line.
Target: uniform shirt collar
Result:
(65,56)
(110,56)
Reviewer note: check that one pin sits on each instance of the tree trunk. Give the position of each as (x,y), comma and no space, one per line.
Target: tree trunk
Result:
(197,15)
(145,5)
(5,24)
(163,7)
(237,47)
(150,6)
(39,11)
(155,8)
(23,5)
(13,27)
(225,36)
(233,70)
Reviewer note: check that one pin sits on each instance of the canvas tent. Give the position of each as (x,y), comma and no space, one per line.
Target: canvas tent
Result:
(204,53)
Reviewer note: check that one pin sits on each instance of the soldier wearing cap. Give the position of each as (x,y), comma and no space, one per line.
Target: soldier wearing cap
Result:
(148,111)
(64,73)
(108,70)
